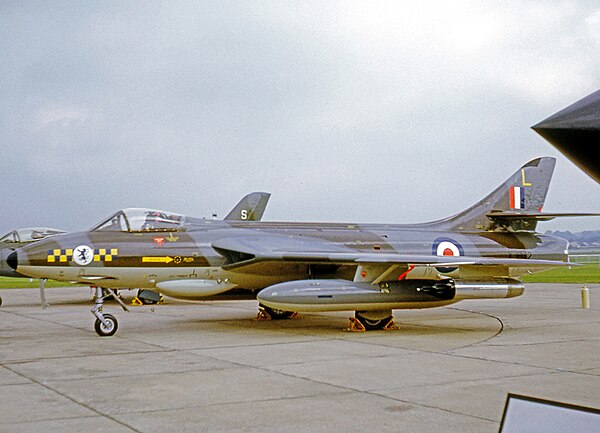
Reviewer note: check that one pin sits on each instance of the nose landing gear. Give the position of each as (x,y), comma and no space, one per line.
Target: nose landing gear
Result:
(106,324)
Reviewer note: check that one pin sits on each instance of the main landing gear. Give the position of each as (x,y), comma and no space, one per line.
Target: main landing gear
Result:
(106,324)
(266,313)
(147,297)
(372,321)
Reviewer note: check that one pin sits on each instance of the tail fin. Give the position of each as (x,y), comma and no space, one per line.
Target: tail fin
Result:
(514,205)
(250,208)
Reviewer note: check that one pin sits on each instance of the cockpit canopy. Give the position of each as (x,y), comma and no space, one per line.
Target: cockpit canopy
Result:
(29,234)
(142,220)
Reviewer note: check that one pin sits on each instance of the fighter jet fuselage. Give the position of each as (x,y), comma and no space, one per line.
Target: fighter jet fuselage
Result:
(203,261)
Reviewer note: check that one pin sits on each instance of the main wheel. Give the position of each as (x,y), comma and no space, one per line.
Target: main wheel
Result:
(278,314)
(106,330)
(373,324)
(148,297)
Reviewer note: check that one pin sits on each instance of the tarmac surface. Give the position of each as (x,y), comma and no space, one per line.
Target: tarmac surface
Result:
(211,367)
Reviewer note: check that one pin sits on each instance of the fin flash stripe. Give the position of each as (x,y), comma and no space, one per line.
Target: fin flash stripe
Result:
(517,197)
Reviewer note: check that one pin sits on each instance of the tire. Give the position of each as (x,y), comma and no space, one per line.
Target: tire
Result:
(104,331)
(148,297)
(278,314)
(373,324)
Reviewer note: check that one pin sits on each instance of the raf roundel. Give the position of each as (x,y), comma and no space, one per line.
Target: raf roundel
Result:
(447,247)
(83,255)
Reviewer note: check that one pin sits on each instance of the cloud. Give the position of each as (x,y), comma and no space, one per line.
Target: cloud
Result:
(377,111)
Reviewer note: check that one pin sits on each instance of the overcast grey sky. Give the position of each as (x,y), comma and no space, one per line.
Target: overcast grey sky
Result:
(392,112)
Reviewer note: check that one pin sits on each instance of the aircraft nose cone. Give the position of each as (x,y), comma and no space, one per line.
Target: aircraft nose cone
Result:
(12,260)
(575,131)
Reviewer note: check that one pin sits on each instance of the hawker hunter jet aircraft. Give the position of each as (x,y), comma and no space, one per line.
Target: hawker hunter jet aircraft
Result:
(371,269)
(250,208)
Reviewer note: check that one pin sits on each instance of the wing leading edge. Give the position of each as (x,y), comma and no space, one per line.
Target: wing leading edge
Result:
(242,257)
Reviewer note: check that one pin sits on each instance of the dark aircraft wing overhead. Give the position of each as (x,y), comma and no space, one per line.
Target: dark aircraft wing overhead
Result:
(575,131)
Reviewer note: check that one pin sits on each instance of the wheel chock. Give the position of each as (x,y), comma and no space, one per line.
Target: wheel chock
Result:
(136,302)
(355,325)
(263,315)
(391,326)
(295,315)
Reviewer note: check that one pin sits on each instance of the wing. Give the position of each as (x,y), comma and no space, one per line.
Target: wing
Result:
(252,255)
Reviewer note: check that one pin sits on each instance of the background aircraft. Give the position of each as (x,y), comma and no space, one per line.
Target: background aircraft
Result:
(18,238)
(369,268)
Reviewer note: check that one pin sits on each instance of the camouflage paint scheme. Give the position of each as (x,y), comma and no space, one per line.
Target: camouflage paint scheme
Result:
(487,246)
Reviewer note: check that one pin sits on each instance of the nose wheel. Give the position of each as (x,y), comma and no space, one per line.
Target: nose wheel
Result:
(106,327)
(106,324)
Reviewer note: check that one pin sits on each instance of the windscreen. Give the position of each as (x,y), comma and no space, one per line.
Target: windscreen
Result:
(142,220)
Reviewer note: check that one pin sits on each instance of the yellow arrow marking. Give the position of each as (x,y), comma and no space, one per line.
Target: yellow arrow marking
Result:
(165,259)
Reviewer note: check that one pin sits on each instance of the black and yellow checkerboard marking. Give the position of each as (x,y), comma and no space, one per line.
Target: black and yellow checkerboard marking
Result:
(105,254)
(66,255)
(60,255)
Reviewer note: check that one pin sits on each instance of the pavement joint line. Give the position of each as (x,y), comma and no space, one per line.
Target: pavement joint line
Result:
(484,379)
(231,346)
(376,394)
(32,360)
(265,400)
(142,375)
(456,355)
(65,418)
(71,399)
(355,390)
(40,319)
(541,343)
